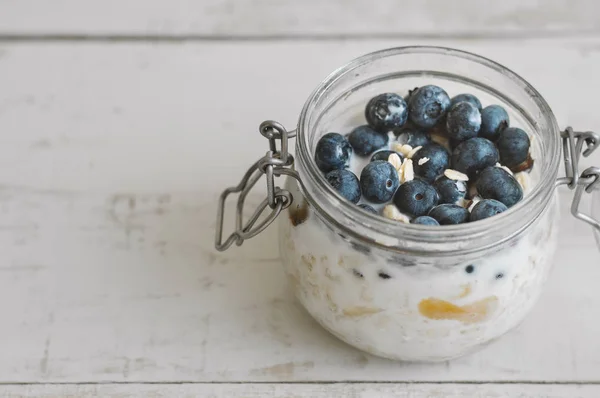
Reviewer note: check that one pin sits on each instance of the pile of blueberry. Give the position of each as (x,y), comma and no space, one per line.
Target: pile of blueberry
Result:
(448,161)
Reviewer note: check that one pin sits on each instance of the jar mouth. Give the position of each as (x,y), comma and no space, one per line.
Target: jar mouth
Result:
(393,235)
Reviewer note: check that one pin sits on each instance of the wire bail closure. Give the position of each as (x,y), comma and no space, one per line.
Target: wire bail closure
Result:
(276,162)
(587,181)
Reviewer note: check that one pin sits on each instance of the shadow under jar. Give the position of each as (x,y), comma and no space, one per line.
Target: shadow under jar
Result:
(414,292)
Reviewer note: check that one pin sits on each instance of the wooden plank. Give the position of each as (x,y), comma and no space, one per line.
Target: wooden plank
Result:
(100,98)
(243,18)
(126,287)
(111,158)
(303,390)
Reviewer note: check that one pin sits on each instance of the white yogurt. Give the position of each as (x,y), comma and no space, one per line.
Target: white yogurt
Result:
(417,312)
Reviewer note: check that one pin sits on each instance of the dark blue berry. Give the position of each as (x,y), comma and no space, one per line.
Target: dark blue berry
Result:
(448,214)
(416,198)
(346,183)
(383,275)
(439,160)
(470,98)
(463,121)
(494,119)
(379,181)
(365,140)
(486,208)
(410,93)
(425,220)
(413,137)
(454,143)
(386,112)
(474,155)
(367,208)
(357,273)
(469,269)
(333,152)
(440,128)
(450,191)
(513,145)
(384,155)
(428,105)
(497,183)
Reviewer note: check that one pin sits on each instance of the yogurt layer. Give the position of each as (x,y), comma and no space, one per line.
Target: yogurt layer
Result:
(407,310)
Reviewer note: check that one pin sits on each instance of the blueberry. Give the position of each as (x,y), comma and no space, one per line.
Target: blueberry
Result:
(454,143)
(440,128)
(425,220)
(416,198)
(428,105)
(386,112)
(357,273)
(333,152)
(474,155)
(497,183)
(494,119)
(413,137)
(470,98)
(383,275)
(450,191)
(365,140)
(345,182)
(463,121)
(513,145)
(367,208)
(448,214)
(410,93)
(384,155)
(438,161)
(486,208)
(378,181)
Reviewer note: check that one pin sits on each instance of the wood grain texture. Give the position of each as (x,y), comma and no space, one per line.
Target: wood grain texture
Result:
(302,391)
(111,159)
(260,18)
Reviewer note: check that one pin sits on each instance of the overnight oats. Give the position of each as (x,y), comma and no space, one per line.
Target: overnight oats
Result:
(425,158)
(419,217)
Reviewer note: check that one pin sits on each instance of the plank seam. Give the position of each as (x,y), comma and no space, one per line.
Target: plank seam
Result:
(181,38)
(183,382)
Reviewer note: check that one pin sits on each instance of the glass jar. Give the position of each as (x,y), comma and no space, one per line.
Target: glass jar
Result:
(405,291)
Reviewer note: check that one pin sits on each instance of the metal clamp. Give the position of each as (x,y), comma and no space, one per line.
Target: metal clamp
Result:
(274,164)
(588,180)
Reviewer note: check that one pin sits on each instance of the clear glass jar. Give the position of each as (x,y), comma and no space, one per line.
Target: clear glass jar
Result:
(405,291)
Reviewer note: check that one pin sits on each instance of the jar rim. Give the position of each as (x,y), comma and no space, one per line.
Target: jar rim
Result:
(394,229)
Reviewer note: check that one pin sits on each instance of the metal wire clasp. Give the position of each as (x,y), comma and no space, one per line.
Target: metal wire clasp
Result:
(272,165)
(588,180)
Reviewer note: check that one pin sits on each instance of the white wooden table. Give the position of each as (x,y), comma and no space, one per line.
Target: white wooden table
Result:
(121,122)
